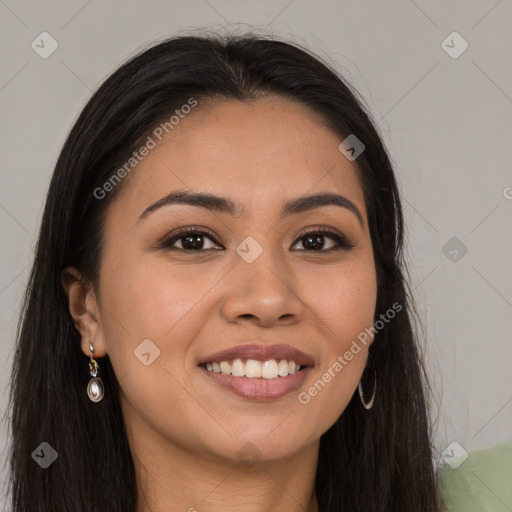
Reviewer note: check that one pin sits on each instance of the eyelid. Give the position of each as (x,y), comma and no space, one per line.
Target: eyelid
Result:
(175,235)
(339,238)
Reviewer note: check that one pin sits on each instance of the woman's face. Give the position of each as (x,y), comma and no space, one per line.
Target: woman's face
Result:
(253,283)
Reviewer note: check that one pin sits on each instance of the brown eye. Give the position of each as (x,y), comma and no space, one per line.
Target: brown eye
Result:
(191,240)
(315,241)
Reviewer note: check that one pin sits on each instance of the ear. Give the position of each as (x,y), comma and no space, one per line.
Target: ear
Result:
(85,311)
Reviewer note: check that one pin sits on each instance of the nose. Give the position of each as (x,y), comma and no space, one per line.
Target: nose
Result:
(262,293)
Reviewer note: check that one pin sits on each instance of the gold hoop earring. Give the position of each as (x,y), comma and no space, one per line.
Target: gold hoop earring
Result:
(95,389)
(368,405)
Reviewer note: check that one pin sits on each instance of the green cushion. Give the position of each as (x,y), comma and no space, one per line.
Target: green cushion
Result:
(482,483)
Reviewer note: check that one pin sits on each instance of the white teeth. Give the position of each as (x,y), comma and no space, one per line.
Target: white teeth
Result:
(254,369)
(269,369)
(283,368)
(238,369)
(225,368)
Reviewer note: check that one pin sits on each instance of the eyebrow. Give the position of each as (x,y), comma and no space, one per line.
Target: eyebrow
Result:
(224,205)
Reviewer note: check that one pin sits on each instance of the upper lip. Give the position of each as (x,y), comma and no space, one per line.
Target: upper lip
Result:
(260,353)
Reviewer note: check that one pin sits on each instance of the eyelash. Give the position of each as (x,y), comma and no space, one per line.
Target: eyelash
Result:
(341,241)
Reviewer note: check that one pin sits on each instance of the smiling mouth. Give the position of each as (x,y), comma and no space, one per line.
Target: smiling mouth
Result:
(257,371)
(254,369)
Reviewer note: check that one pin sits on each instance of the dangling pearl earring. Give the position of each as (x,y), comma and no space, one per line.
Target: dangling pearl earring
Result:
(95,386)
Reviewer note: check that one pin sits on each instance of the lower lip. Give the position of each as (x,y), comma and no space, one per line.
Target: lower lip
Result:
(260,389)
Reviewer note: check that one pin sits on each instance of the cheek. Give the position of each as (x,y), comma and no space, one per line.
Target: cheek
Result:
(148,299)
(156,301)
(344,301)
(344,305)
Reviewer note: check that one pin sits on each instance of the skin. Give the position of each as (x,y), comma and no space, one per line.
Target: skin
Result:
(185,432)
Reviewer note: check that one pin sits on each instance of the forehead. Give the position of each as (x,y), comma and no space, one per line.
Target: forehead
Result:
(256,152)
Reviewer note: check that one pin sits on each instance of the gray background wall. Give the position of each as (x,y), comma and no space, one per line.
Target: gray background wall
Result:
(446,121)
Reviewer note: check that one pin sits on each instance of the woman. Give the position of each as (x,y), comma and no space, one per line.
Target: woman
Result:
(217,316)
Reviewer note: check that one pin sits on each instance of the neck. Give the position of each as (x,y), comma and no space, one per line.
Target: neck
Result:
(171,478)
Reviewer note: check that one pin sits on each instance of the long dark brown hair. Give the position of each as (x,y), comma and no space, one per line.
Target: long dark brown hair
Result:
(377,460)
